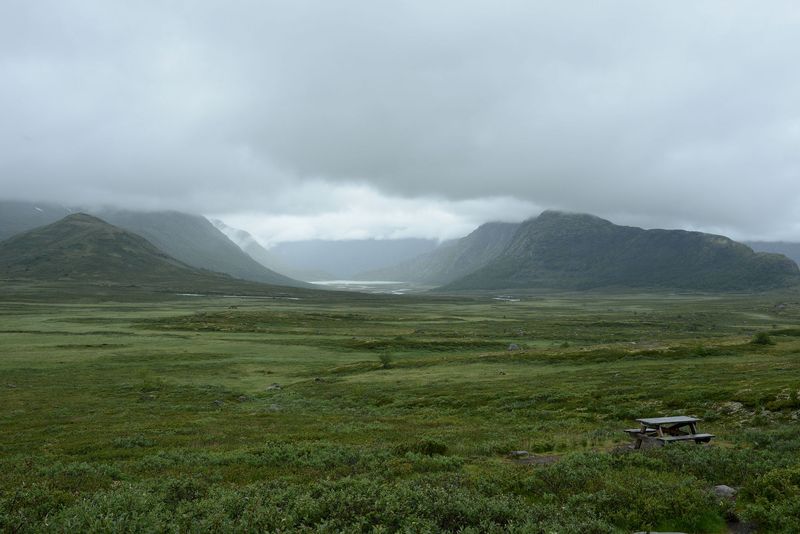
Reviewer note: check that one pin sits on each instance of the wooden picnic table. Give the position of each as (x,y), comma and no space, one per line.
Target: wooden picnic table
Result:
(664,430)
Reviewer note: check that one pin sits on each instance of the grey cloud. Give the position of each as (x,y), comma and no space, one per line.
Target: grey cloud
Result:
(663,114)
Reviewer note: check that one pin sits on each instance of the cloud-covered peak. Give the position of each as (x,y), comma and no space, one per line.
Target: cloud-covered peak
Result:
(651,113)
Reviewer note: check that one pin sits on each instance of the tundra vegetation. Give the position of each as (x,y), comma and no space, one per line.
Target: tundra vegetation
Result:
(355,414)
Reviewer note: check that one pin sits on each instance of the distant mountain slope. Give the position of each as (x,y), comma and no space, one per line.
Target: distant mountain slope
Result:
(788,249)
(17,216)
(452,259)
(81,246)
(344,259)
(253,248)
(574,251)
(193,240)
(81,256)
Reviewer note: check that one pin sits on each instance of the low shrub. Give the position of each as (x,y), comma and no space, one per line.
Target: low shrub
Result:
(422,446)
(762,338)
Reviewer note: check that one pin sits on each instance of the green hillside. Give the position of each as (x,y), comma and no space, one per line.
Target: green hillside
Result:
(572,251)
(193,240)
(81,246)
(83,253)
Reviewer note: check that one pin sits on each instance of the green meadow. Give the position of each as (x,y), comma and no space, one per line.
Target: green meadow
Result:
(347,413)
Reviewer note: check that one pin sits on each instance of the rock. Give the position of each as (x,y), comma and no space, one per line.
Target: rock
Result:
(513,346)
(274,386)
(518,454)
(242,398)
(12,386)
(274,407)
(318,379)
(724,492)
(732,407)
(218,403)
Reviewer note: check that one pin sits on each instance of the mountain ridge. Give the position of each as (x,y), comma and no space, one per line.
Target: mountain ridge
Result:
(561,250)
(189,238)
(81,246)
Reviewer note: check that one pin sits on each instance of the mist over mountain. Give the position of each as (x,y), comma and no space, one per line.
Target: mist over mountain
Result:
(17,217)
(81,255)
(452,259)
(194,240)
(191,239)
(577,251)
(345,259)
(268,259)
(788,249)
(554,250)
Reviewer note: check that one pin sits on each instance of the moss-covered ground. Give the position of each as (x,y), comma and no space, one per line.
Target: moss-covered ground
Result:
(397,414)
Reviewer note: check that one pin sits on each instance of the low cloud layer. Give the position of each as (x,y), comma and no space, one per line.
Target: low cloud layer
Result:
(310,113)
(359,212)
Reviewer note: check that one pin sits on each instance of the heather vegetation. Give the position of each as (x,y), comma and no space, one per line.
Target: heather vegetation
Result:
(384,414)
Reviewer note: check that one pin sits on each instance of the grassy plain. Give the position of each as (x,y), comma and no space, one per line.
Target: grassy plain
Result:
(386,413)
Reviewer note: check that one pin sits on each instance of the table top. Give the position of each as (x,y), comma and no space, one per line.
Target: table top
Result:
(668,420)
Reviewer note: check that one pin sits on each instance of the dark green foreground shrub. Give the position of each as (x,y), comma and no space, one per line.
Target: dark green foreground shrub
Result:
(762,338)
(772,500)
(423,446)
(582,493)
(421,489)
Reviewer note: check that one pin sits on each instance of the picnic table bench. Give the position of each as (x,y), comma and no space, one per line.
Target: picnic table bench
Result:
(664,430)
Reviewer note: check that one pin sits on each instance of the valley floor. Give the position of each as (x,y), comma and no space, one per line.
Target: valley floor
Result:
(397,413)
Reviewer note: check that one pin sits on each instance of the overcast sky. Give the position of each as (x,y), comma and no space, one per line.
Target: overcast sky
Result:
(300,119)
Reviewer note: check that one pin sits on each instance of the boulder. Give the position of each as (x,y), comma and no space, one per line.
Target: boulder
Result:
(724,492)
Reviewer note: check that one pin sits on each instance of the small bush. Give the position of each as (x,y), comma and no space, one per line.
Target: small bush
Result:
(423,446)
(773,500)
(386,360)
(132,442)
(762,338)
(177,490)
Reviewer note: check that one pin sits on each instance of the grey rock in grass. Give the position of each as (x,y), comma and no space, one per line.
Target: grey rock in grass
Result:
(274,407)
(518,454)
(274,386)
(724,492)
(218,403)
(243,398)
(513,346)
